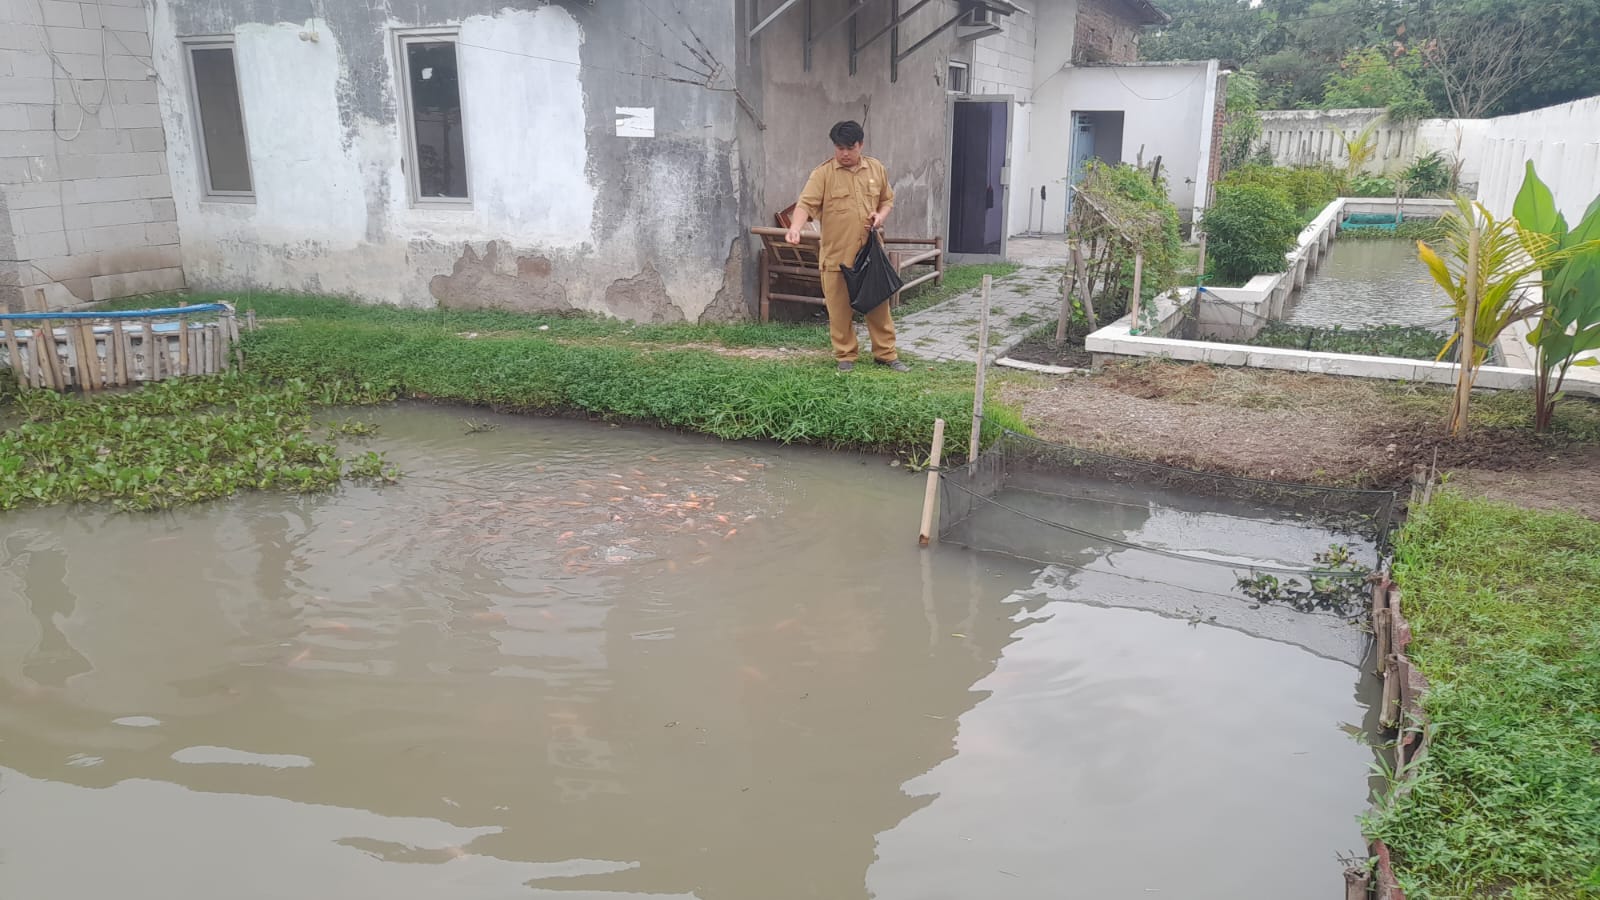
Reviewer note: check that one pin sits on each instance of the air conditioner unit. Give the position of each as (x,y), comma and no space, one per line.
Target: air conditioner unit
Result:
(978,21)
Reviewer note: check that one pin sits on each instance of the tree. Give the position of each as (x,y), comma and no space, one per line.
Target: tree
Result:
(1484,269)
(1482,55)
(1378,77)
(1241,125)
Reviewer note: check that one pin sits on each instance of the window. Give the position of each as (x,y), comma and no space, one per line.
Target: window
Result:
(224,152)
(956,81)
(437,141)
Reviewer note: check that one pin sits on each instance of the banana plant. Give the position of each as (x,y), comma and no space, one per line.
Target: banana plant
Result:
(1360,148)
(1485,269)
(1569,321)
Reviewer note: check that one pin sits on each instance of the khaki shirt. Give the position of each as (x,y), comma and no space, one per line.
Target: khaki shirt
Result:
(842,201)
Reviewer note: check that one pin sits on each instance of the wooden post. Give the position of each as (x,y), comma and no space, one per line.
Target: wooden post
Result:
(1200,263)
(250,319)
(1069,283)
(14,352)
(931,494)
(1138,286)
(983,367)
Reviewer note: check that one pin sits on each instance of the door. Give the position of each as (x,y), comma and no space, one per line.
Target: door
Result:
(979,153)
(1095,135)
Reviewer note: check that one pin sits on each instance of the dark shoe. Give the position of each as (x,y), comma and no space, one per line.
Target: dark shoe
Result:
(894,365)
(846,366)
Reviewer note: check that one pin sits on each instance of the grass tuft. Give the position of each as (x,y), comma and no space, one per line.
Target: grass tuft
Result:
(1505,605)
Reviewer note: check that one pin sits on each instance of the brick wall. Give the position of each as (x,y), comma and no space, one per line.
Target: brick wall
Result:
(86,209)
(1219,118)
(1105,33)
(1003,63)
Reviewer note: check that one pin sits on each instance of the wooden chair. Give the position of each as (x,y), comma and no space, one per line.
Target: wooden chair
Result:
(789,271)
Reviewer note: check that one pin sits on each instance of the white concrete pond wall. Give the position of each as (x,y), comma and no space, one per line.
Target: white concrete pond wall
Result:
(1268,296)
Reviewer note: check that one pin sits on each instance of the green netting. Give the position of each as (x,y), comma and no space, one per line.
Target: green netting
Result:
(1308,547)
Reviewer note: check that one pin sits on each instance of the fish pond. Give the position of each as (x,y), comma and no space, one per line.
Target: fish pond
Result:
(570,660)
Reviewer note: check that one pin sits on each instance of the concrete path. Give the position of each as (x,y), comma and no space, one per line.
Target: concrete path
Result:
(1018,304)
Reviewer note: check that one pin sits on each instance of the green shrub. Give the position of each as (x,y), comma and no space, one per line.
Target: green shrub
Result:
(1248,231)
(1307,188)
(1428,175)
(1135,190)
(1371,186)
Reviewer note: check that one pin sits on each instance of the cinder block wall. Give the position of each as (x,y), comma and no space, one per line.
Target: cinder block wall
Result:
(86,210)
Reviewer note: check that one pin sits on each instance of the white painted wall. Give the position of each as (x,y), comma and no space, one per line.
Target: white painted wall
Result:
(1167,110)
(1562,141)
(1564,144)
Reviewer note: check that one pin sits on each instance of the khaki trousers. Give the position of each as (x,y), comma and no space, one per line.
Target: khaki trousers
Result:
(841,323)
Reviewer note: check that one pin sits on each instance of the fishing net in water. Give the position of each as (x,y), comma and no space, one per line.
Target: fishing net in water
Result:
(1255,543)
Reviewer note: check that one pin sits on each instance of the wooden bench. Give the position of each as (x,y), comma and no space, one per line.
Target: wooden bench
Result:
(789,271)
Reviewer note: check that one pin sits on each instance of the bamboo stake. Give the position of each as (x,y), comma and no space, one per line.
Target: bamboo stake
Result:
(24,376)
(206,349)
(1200,264)
(49,362)
(1138,287)
(88,360)
(931,494)
(148,339)
(250,319)
(983,368)
(183,346)
(123,343)
(130,365)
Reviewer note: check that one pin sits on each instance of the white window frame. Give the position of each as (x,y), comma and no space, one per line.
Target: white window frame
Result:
(402,39)
(966,77)
(217,42)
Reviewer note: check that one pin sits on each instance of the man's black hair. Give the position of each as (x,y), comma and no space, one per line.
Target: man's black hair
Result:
(847,134)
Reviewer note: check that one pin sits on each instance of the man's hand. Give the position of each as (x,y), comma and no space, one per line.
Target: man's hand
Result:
(876,220)
(793,236)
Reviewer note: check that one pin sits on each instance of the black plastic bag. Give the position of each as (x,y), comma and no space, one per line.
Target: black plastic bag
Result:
(873,278)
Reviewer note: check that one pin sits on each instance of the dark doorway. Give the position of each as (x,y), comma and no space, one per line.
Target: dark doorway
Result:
(1095,135)
(977,170)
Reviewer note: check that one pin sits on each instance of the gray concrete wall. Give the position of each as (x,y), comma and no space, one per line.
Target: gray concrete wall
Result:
(565,213)
(85,199)
(907,121)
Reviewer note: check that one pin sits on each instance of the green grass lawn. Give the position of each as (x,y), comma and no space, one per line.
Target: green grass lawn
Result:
(1505,605)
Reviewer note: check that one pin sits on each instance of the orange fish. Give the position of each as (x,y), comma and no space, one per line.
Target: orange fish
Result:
(301,656)
(722,519)
(731,533)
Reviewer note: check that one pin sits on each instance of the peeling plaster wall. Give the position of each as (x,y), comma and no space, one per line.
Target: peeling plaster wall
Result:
(565,213)
(907,122)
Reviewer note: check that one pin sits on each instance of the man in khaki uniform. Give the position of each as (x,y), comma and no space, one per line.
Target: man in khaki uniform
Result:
(849,196)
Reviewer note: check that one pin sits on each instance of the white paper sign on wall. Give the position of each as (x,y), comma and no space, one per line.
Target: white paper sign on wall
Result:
(636,121)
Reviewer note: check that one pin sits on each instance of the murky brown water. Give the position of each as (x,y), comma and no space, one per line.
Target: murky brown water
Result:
(566,660)
(1367,282)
